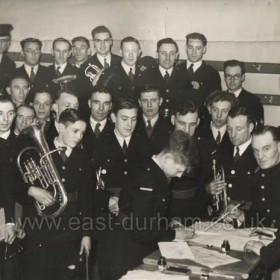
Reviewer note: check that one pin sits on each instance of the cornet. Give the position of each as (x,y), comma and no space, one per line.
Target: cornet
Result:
(91,71)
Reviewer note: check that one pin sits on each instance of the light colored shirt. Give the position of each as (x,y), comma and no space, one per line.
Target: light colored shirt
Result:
(121,139)
(93,123)
(163,71)
(102,59)
(127,68)
(196,65)
(237,92)
(57,144)
(6,134)
(215,131)
(62,67)
(153,120)
(28,69)
(243,147)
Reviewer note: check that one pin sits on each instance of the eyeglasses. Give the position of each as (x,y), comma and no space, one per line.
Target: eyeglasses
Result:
(234,77)
(108,40)
(30,51)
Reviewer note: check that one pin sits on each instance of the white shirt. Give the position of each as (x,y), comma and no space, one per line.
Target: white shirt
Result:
(155,160)
(57,144)
(215,130)
(127,68)
(5,135)
(93,123)
(102,59)
(237,92)
(121,139)
(196,65)
(1,55)
(62,67)
(28,69)
(163,71)
(153,120)
(243,147)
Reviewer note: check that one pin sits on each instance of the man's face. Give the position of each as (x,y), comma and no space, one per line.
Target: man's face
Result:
(150,103)
(130,52)
(5,43)
(171,168)
(219,112)
(61,52)
(100,105)
(266,150)
(125,121)
(7,114)
(167,55)
(18,90)
(31,53)
(239,130)
(42,105)
(186,123)
(103,43)
(64,102)
(72,133)
(81,51)
(195,50)
(24,118)
(234,78)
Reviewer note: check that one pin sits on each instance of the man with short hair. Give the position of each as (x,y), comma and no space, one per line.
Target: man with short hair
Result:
(81,50)
(7,66)
(37,74)
(25,116)
(234,75)
(18,89)
(150,124)
(200,77)
(42,104)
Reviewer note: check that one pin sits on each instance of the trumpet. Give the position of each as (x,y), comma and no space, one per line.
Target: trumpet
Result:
(91,71)
(220,201)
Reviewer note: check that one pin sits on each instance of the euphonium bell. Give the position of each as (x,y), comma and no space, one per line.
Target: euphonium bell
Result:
(37,168)
(91,71)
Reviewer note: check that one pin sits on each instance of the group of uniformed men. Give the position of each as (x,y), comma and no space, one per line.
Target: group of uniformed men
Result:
(139,142)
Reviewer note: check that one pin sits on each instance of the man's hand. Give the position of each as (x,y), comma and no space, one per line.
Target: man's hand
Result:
(216,187)
(114,205)
(235,214)
(42,196)
(183,234)
(9,233)
(253,246)
(85,245)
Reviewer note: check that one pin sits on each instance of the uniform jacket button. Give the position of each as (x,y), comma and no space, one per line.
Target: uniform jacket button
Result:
(125,172)
(263,198)
(230,185)
(63,180)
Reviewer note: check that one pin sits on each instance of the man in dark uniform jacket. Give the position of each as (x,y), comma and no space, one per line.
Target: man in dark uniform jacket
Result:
(143,208)
(50,250)
(234,74)
(150,124)
(7,66)
(99,125)
(62,50)
(241,165)
(37,74)
(81,51)
(167,75)
(102,59)
(199,76)
(124,79)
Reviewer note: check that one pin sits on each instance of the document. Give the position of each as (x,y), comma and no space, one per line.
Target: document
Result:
(2,224)
(175,250)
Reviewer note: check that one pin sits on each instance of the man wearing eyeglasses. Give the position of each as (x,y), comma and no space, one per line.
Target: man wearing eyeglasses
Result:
(102,59)
(7,66)
(234,74)
(38,74)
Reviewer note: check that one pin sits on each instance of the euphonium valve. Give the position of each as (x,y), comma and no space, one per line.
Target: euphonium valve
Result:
(37,168)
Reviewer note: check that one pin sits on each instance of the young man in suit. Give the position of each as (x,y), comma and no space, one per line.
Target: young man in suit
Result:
(37,74)
(234,75)
(81,50)
(7,66)
(42,104)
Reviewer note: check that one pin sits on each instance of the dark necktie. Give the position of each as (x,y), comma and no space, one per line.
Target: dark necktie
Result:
(97,130)
(218,138)
(237,155)
(131,75)
(63,154)
(32,74)
(58,73)
(190,69)
(124,147)
(106,64)
(166,76)
(149,128)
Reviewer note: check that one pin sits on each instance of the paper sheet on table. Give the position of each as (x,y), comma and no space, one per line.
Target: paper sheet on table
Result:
(211,258)
(152,275)
(175,250)
(2,223)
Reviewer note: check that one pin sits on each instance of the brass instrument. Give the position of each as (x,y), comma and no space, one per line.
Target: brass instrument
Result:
(220,201)
(37,168)
(91,71)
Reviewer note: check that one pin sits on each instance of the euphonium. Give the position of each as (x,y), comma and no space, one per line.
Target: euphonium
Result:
(91,71)
(37,168)
(220,201)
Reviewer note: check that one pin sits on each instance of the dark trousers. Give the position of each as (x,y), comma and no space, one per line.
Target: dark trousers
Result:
(49,260)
